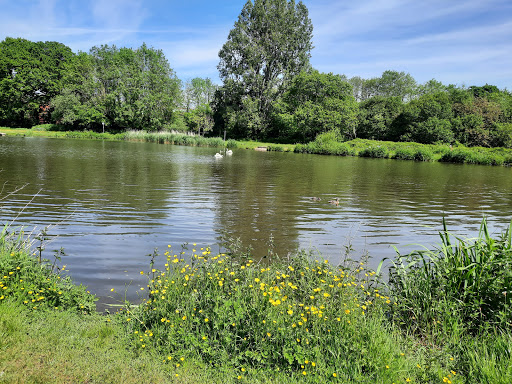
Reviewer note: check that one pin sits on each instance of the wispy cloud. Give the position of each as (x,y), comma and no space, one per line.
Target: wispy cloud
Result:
(446,40)
(437,38)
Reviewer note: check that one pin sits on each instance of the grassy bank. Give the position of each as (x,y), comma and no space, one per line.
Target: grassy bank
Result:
(149,137)
(443,316)
(327,145)
(324,144)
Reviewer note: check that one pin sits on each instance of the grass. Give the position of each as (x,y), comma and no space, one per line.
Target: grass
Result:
(298,318)
(408,151)
(471,278)
(323,145)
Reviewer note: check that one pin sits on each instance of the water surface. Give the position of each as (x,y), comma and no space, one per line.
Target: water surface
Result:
(113,203)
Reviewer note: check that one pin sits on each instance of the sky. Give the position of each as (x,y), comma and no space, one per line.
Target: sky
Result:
(462,42)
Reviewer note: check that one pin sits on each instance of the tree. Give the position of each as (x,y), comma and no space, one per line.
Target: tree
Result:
(198,96)
(397,84)
(377,115)
(123,88)
(315,103)
(30,75)
(431,86)
(269,45)
(425,120)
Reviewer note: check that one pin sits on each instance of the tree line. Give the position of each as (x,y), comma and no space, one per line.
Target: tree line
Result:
(269,91)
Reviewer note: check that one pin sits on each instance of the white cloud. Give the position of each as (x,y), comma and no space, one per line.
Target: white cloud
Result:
(427,39)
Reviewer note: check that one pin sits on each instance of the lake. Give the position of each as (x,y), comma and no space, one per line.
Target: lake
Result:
(110,204)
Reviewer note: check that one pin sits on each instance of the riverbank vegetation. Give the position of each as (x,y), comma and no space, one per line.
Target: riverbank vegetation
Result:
(330,144)
(442,315)
(281,100)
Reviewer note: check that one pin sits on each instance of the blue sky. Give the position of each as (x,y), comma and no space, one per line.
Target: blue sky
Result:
(464,42)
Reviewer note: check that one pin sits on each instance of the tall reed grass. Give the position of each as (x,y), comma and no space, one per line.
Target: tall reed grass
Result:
(407,151)
(463,285)
(175,138)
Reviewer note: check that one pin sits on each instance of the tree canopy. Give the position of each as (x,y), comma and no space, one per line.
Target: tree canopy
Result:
(316,103)
(268,46)
(123,88)
(30,75)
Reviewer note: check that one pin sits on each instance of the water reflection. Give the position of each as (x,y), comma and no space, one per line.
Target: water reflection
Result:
(114,202)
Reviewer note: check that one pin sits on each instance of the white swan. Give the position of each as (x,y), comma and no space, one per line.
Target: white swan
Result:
(218,156)
(229,152)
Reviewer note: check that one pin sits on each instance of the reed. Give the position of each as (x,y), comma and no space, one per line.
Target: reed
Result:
(462,285)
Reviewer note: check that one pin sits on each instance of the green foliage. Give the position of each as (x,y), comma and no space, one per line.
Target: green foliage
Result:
(425,120)
(304,318)
(394,84)
(323,146)
(122,88)
(50,127)
(431,130)
(475,156)
(197,98)
(230,143)
(269,44)
(34,283)
(315,103)
(377,116)
(464,284)
(31,74)
(502,135)
(379,152)
(164,137)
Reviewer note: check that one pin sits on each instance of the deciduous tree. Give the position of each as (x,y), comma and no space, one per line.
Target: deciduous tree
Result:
(268,46)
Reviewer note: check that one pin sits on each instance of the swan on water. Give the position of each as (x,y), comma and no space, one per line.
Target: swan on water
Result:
(229,152)
(218,156)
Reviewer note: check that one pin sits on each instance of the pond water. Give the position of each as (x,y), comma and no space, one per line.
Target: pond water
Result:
(110,204)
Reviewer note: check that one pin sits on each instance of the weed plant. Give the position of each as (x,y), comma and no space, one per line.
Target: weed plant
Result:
(463,286)
(34,283)
(298,318)
(328,145)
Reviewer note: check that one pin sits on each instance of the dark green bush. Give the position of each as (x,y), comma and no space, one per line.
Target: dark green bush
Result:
(379,152)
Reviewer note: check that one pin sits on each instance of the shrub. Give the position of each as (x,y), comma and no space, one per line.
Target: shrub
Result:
(275,148)
(423,154)
(404,154)
(379,152)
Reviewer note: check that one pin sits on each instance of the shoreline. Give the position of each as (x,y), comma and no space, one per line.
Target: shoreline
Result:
(358,147)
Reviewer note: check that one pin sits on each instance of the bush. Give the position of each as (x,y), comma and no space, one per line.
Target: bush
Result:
(379,152)
(404,154)
(275,148)
(423,154)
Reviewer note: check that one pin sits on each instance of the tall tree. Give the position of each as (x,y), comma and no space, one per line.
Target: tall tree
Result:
(316,103)
(30,75)
(124,88)
(198,96)
(269,45)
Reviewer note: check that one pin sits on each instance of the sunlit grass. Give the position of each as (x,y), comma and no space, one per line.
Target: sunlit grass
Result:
(407,151)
